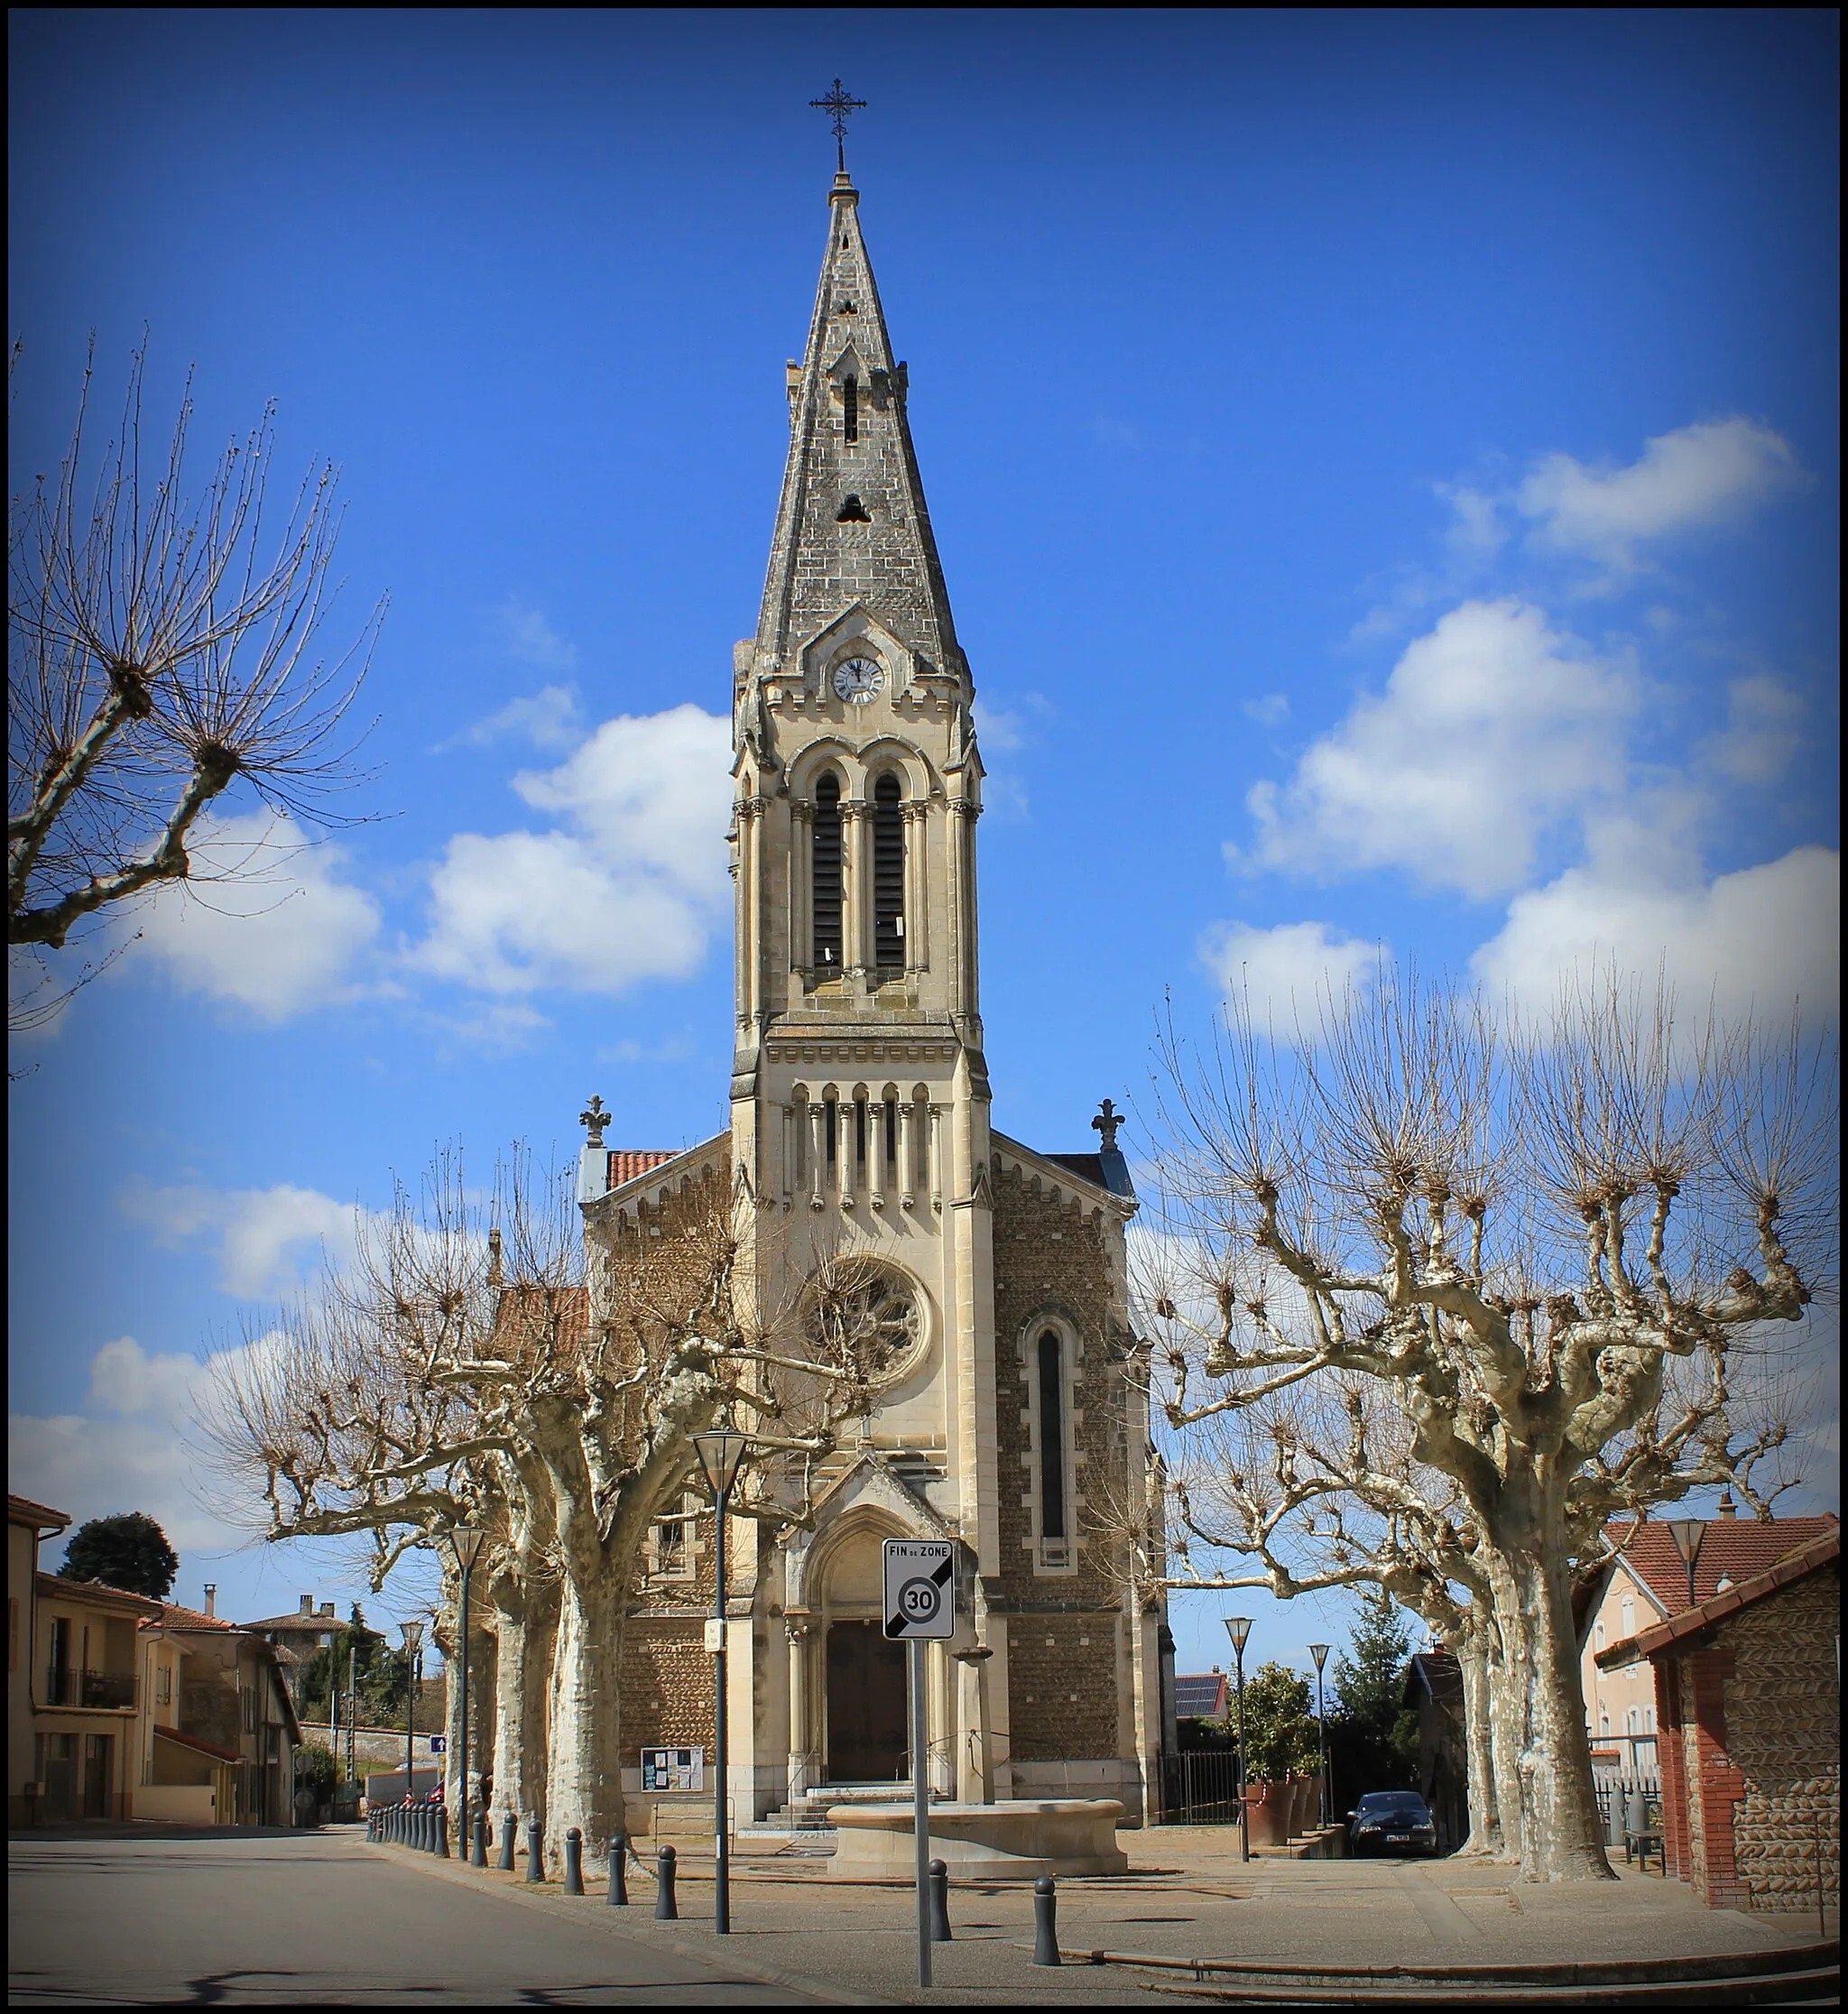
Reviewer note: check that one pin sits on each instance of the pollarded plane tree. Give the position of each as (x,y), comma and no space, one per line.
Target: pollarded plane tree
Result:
(161,651)
(1555,1252)
(474,1371)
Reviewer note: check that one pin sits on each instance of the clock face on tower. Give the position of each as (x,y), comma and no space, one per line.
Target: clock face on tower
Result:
(858,679)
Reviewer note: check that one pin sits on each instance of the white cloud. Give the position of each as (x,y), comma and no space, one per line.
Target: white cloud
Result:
(1697,476)
(1270,711)
(1761,734)
(1492,729)
(1286,973)
(531,640)
(547,718)
(137,1454)
(264,1238)
(1753,940)
(263,922)
(627,886)
(998,731)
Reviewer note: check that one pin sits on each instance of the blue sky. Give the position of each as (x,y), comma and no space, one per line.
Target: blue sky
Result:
(1385,465)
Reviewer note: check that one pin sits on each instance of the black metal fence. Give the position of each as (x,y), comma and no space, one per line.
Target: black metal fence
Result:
(68,1687)
(1200,1786)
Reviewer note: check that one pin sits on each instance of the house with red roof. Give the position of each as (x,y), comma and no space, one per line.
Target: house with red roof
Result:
(1747,1679)
(1645,1583)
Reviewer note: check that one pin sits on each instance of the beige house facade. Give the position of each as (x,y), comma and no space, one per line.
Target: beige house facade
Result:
(1008,1415)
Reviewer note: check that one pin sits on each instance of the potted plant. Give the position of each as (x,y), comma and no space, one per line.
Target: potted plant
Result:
(1280,1743)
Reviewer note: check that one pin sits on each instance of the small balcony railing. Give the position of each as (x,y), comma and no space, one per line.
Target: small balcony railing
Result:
(70,1688)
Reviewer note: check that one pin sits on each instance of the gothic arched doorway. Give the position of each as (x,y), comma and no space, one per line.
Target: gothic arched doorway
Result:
(867,1731)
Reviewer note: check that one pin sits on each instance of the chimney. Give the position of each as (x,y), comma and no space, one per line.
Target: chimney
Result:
(211,1598)
(1728,1509)
(327,1608)
(308,1604)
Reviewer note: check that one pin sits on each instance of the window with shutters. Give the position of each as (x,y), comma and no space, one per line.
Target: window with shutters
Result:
(888,875)
(826,907)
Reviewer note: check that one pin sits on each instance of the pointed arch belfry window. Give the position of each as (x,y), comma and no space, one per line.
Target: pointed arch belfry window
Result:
(826,907)
(850,406)
(889,875)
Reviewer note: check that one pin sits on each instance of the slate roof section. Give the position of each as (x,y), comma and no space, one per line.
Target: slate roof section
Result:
(1805,1561)
(1108,1170)
(1439,1673)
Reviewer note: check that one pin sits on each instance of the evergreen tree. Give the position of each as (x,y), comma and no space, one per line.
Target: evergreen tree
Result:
(361,1657)
(129,1551)
(1372,1737)
(1279,1724)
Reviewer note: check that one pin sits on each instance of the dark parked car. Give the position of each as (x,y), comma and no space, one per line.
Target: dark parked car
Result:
(1391,1822)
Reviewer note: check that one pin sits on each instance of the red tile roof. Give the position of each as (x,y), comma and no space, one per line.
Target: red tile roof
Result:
(55,1585)
(23,1510)
(196,1741)
(1658,1636)
(1731,1548)
(627,1163)
(173,1617)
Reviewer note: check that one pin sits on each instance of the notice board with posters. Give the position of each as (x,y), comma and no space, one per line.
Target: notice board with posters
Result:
(673,1769)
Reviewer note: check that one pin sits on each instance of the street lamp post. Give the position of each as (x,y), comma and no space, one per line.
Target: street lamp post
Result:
(413,1676)
(1319,1652)
(1687,1534)
(1238,1628)
(720,1448)
(467,1542)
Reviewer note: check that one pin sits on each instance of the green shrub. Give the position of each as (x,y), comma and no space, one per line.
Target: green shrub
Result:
(1279,1724)
(316,1770)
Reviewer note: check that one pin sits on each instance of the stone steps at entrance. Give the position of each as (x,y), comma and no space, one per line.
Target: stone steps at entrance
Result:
(803,1822)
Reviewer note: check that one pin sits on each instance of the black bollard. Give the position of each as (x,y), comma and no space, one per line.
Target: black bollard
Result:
(664,1909)
(419,1827)
(939,1903)
(535,1851)
(509,1825)
(574,1860)
(441,1815)
(1045,1921)
(619,1874)
(478,1858)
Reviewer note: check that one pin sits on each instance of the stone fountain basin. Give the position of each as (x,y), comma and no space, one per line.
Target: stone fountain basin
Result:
(1017,1841)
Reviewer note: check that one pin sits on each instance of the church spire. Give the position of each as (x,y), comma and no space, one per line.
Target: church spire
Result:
(852,526)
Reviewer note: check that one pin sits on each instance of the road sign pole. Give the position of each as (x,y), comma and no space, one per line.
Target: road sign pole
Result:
(920,1807)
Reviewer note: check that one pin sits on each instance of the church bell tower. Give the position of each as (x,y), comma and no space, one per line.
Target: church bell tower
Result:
(1006,1407)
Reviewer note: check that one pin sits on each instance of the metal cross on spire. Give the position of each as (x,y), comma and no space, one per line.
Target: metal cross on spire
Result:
(843,107)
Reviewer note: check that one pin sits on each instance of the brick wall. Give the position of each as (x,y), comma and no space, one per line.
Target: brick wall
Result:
(1782,1707)
(667,1687)
(1054,1258)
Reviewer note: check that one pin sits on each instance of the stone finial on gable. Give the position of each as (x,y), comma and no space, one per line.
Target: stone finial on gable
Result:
(597,1119)
(1107,1121)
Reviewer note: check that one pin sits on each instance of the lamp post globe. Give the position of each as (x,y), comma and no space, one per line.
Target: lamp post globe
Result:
(467,1541)
(720,1448)
(1687,1534)
(1319,1652)
(412,1632)
(1238,1628)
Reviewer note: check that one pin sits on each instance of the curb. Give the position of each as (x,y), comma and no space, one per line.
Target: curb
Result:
(534,1896)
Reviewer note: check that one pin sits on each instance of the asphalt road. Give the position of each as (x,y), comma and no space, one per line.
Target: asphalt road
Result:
(286,1919)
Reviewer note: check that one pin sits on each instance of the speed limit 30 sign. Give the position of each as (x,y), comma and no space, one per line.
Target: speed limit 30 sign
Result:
(920,1588)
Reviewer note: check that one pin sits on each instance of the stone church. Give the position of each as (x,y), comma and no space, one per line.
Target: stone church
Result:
(1009,1407)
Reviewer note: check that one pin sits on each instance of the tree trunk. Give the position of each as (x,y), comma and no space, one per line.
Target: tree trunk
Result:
(519,1766)
(584,1778)
(1541,1723)
(1478,1729)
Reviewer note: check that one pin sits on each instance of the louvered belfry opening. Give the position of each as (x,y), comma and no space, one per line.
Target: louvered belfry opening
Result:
(888,875)
(850,406)
(1051,1437)
(828,872)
